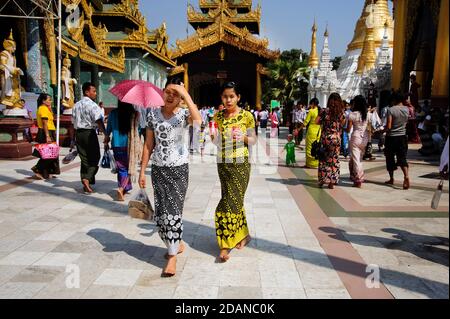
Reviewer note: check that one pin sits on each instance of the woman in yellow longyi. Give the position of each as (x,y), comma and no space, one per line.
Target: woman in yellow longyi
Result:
(236,131)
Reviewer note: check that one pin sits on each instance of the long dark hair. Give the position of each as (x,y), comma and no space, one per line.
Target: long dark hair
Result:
(231,85)
(124,112)
(335,106)
(397,97)
(42,97)
(360,105)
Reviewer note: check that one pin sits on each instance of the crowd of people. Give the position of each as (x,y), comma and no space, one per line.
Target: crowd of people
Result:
(339,129)
(346,129)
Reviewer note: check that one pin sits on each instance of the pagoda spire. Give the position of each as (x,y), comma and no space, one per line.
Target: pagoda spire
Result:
(325,57)
(368,55)
(313,58)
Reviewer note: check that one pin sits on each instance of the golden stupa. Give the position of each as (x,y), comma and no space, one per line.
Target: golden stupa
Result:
(313,57)
(381,17)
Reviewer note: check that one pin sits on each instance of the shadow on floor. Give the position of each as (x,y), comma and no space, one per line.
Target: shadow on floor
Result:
(390,277)
(422,246)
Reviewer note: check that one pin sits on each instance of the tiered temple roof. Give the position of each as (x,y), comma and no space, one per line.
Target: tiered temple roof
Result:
(232,22)
(134,34)
(85,39)
(240,13)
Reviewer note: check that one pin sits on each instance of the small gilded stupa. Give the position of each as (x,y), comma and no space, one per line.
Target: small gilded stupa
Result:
(374,30)
(313,62)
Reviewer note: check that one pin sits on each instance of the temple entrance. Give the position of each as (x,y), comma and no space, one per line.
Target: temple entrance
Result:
(207,73)
(205,89)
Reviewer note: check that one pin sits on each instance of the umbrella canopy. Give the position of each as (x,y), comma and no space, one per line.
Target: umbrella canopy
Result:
(139,93)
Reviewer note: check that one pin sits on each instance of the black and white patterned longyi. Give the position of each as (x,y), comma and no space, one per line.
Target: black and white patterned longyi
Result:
(170,185)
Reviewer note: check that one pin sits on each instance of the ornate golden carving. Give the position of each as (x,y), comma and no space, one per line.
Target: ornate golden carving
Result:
(100,53)
(154,41)
(162,40)
(224,30)
(223,9)
(206,4)
(222,54)
(128,8)
(50,44)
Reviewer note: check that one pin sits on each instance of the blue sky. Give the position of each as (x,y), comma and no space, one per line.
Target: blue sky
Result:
(287,23)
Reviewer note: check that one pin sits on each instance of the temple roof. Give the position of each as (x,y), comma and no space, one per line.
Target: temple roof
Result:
(239,11)
(148,41)
(250,19)
(222,31)
(223,23)
(138,36)
(126,8)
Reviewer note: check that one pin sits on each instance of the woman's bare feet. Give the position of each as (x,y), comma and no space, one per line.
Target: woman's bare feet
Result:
(224,255)
(406,183)
(357,184)
(38,176)
(180,250)
(331,186)
(244,242)
(120,196)
(390,182)
(171,267)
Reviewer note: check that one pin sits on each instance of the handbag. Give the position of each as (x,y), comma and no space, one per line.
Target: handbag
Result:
(112,161)
(317,149)
(437,195)
(105,163)
(48,150)
(376,123)
(140,206)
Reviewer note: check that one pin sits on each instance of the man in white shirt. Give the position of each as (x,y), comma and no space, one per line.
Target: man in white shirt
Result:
(263,117)
(298,118)
(256,117)
(86,118)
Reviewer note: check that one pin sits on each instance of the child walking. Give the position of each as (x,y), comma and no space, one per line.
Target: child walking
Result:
(290,151)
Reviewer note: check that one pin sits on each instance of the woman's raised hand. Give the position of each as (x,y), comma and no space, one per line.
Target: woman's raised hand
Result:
(181,90)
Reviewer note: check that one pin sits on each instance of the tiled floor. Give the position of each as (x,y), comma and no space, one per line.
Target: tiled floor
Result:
(50,232)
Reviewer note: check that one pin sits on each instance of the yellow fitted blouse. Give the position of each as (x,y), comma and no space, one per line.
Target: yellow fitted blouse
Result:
(44,113)
(228,148)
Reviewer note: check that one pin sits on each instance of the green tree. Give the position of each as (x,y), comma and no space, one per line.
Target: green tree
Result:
(336,62)
(283,83)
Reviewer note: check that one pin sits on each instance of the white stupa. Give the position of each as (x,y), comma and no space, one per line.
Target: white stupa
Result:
(323,80)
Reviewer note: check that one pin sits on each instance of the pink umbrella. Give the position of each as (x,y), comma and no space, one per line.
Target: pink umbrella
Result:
(139,93)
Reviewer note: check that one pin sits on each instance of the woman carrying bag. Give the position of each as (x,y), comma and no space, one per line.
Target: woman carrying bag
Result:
(123,124)
(45,168)
(167,150)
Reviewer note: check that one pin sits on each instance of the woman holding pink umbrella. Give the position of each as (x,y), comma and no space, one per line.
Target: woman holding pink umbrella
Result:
(165,145)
